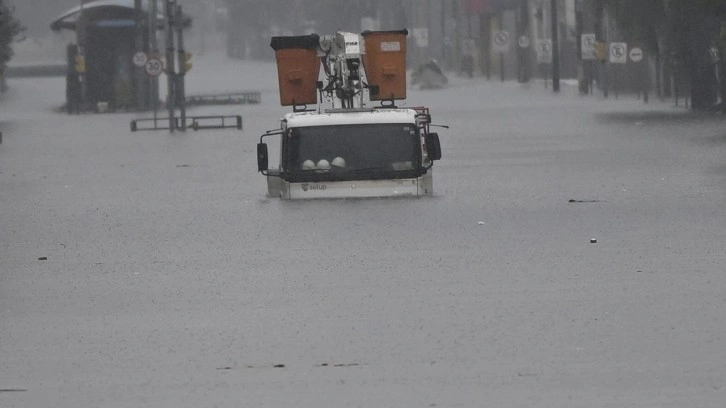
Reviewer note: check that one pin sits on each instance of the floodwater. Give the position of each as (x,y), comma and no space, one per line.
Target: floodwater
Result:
(572,256)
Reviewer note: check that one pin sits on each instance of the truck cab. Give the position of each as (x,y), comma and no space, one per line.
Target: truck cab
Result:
(353,153)
(351,150)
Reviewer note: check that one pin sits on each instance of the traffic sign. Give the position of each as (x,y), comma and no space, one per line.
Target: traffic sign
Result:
(501,41)
(587,44)
(636,54)
(524,41)
(601,53)
(544,51)
(154,67)
(80,64)
(421,36)
(618,53)
(140,59)
(715,55)
(186,64)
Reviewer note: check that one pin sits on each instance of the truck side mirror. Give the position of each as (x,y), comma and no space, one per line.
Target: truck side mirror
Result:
(262,157)
(433,146)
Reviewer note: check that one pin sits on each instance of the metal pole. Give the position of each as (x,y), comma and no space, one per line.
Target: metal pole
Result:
(522,19)
(487,40)
(170,72)
(539,15)
(139,71)
(601,31)
(582,71)
(444,56)
(555,47)
(154,53)
(82,53)
(500,23)
(180,89)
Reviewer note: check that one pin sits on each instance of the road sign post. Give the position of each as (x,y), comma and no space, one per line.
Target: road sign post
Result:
(501,44)
(618,55)
(555,23)
(139,89)
(522,64)
(184,66)
(544,57)
(169,10)
(523,30)
(637,55)
(153,26)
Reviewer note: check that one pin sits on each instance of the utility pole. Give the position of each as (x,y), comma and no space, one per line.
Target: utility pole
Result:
(555,46)
(169,8)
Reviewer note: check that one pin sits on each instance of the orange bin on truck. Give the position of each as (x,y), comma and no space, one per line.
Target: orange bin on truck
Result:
(385,64)
(298,68)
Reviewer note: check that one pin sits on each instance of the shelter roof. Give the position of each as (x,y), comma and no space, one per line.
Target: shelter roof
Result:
(67,20)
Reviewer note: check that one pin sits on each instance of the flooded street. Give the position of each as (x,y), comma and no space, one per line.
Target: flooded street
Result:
(573,256)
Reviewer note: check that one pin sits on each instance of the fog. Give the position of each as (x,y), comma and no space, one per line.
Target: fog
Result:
(572,254)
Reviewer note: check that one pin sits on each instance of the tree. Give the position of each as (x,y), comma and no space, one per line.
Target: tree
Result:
(681,34)
(646,22)
(9,28)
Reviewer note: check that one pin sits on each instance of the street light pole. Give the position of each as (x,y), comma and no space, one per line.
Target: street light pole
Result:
(555,47)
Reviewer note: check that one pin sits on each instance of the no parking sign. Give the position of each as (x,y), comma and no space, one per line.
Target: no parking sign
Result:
(501,41)
(618,53)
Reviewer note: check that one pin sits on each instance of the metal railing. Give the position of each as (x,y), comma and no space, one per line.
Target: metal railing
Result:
(232,98)
(194,122)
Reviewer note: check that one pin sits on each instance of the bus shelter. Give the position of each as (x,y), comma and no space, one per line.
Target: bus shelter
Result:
(101,70)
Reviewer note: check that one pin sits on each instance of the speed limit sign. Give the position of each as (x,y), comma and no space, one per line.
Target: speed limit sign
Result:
(154,67)
(140,59)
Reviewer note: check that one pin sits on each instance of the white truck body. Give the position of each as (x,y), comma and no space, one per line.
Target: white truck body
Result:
(406,172)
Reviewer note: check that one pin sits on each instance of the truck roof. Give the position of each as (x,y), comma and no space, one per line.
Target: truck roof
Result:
(350,117)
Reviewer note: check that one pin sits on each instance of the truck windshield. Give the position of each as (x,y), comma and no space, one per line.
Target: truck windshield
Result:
(348,152)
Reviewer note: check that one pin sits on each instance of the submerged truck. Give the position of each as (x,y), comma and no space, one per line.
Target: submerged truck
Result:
(349,148)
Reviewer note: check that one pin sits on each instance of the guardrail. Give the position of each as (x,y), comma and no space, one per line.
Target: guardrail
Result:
(193,122)
(232,98)
(36,71)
